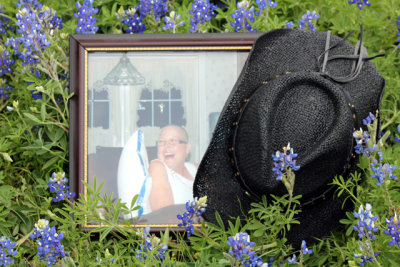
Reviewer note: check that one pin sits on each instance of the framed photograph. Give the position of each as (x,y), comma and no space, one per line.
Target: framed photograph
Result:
(143,113)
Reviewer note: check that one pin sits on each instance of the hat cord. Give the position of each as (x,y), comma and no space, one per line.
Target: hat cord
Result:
(359,56)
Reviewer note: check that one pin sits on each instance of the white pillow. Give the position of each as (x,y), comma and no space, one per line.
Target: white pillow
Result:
(133,177)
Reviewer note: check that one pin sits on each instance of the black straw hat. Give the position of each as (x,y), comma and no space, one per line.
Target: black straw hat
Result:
(309,89)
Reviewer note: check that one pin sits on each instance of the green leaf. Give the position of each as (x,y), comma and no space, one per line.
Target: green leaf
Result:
(6,194)
(349,231)
(50,163)
(6,156)
(43,111)
(219,220)
(133,202)
(57,135)
(105,11)
(32,118)
(105,233)
(259,232)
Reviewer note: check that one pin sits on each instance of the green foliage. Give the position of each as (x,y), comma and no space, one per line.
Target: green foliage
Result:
(34,143)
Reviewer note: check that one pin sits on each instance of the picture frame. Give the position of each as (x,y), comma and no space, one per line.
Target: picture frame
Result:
(127,88)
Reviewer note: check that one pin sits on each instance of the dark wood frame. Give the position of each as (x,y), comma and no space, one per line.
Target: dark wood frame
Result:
(81,45)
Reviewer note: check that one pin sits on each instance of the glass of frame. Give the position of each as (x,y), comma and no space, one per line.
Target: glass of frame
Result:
(128,89)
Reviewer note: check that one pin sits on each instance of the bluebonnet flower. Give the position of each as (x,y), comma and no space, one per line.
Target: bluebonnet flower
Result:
(7,251)
(36,95)
(398,28)
(171,22)
(243,16)
(202,11)
(393,230)
(284,162)
(308,19)
(304,248)
(14,106)
(381,172)
(86,17)
(150,243)
(365,222)
(133,21)
(29,4)
(33,27)
(293,259)
(369,119)
(364,144)
(365,259)
(48,242)
(5,62)
(4,90)
(289,24)
(194,209)
(360,3)
(59,184)
(263,4)
(49,19)
(241,250)
(304,251)
(158,8)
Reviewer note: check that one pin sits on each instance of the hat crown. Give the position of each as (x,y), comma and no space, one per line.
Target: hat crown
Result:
(305,110)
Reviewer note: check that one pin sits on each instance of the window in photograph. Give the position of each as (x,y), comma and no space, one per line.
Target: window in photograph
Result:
(98,109)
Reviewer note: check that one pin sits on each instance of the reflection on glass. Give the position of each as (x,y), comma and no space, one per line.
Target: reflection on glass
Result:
(133,95)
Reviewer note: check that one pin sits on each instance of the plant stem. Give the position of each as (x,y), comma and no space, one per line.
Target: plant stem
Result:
(388,195)
(208,238)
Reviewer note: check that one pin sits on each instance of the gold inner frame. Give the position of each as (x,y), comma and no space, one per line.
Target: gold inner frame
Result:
(86,83)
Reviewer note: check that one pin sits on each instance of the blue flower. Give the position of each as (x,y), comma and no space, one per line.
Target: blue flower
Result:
(263,4)
(150,243)
(364,144)
(194,209)
(393,230)
(293,259)
(243,16)
(360,3)
(304,248)
(58,183)
(86,17)
(369,119)
(365,222)
(380,171)
(202,11)
(289,24)
(33,27)
(364,259)
(283,161)
(48,242)
(133,21)
(158,8)
(5,62)
(241,250)
(29,4)
(308,19)
(171,22)
(7,251)
(4,90)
